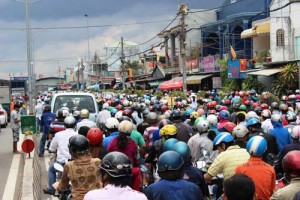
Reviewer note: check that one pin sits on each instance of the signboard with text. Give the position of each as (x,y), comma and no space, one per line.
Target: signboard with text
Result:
(217,82)
(233,69)
(209,63)
(28,124)
(19,78)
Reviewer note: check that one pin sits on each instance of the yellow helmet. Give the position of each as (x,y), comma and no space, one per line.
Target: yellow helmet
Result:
(194,115)
(168,129)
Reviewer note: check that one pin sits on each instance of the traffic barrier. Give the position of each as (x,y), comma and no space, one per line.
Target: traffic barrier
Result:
(32,181)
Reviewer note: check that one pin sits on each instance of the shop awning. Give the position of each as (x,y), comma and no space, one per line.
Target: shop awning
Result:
(263,29)
(248,33)
(196,79)
(265,72)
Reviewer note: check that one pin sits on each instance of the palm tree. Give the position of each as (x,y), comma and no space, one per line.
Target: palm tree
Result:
(287,79)
(289,75)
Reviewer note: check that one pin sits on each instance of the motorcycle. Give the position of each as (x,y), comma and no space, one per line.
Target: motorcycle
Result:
(215,188)
(61,195)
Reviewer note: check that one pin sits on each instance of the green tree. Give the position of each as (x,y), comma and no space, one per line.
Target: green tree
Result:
(287,79)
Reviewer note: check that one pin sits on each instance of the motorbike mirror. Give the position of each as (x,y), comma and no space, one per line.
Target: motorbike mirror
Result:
(58,167)
(271,157)
(205,153)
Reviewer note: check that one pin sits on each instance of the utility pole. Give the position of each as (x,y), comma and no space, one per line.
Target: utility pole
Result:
(88,46)
(29,57)
(122,63)
(182,11)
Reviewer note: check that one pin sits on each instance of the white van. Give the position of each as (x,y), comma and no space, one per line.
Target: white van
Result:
(76,100)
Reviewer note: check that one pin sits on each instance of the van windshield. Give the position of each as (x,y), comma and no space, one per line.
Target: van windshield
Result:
(74,101)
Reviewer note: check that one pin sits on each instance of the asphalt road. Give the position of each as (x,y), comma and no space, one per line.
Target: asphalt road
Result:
(10,166)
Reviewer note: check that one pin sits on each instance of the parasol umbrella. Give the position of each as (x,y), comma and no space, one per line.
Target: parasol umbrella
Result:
(171,85)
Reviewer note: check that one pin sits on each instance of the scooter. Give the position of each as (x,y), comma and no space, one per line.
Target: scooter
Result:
(62,195)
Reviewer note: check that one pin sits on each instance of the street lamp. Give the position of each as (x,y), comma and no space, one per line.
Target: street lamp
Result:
(88,45)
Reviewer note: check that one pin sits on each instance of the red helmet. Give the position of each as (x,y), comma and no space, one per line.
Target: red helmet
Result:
(119,107)
(212,112)
(227,102)
(291,163)
(164,108)
(95,136)
(209,105)
(223,108)
(247,103)
(255,104)
(213,104)
(229,126)
(264,106)
(127,112)
(297,96)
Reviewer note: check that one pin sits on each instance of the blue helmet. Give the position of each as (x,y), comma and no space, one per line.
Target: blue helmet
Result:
(176,113)
(223,137)
(168,145)
(113,111)
(169,161)
(252,122)
(224,114)
(188,111)
(253,91)
(256,146)
(184,151)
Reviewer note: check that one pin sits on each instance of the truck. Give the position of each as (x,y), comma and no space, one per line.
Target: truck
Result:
(5,94)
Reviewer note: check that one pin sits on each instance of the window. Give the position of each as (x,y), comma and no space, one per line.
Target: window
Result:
(280,37)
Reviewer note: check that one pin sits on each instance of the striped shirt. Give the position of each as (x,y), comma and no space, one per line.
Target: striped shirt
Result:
(227,161)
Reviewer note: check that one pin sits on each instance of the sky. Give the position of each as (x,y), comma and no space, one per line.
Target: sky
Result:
(61,31)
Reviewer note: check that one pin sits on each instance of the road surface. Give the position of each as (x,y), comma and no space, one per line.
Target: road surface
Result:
(11,166)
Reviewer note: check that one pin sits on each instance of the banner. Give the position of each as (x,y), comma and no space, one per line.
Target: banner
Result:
(217,82)
(192,64)
(69,75)
(233,69)
(28,124)
(243,64)
(209,64)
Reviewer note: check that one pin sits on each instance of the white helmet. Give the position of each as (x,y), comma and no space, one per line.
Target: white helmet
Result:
(202,126)
(295,134)
(250,115)
(147,102)
(266,113)
(276,118)
(168,114)
(240,131)
(184,102)
(212,120)
(126,127)
(119,114)
(112,123)
(126,103)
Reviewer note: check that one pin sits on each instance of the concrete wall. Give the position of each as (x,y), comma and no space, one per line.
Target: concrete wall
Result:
(288,20)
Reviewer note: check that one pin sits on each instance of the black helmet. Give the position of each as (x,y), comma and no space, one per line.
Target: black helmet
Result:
(70,122)
(47,108)
(258,110)
(122,118)
(176,113)
(62,113)
(116,164)
(78,144)
(169,161)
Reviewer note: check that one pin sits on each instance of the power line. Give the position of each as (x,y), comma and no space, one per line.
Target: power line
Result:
(90,26)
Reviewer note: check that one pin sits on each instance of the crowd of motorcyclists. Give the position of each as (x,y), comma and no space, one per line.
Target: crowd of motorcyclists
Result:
(141,147)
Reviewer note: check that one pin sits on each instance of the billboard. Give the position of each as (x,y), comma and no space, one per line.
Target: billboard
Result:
(233,69)
(209,64)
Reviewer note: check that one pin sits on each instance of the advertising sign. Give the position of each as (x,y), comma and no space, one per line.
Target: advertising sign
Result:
(217,82)
(209,63)
(28,124)
(233,69)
